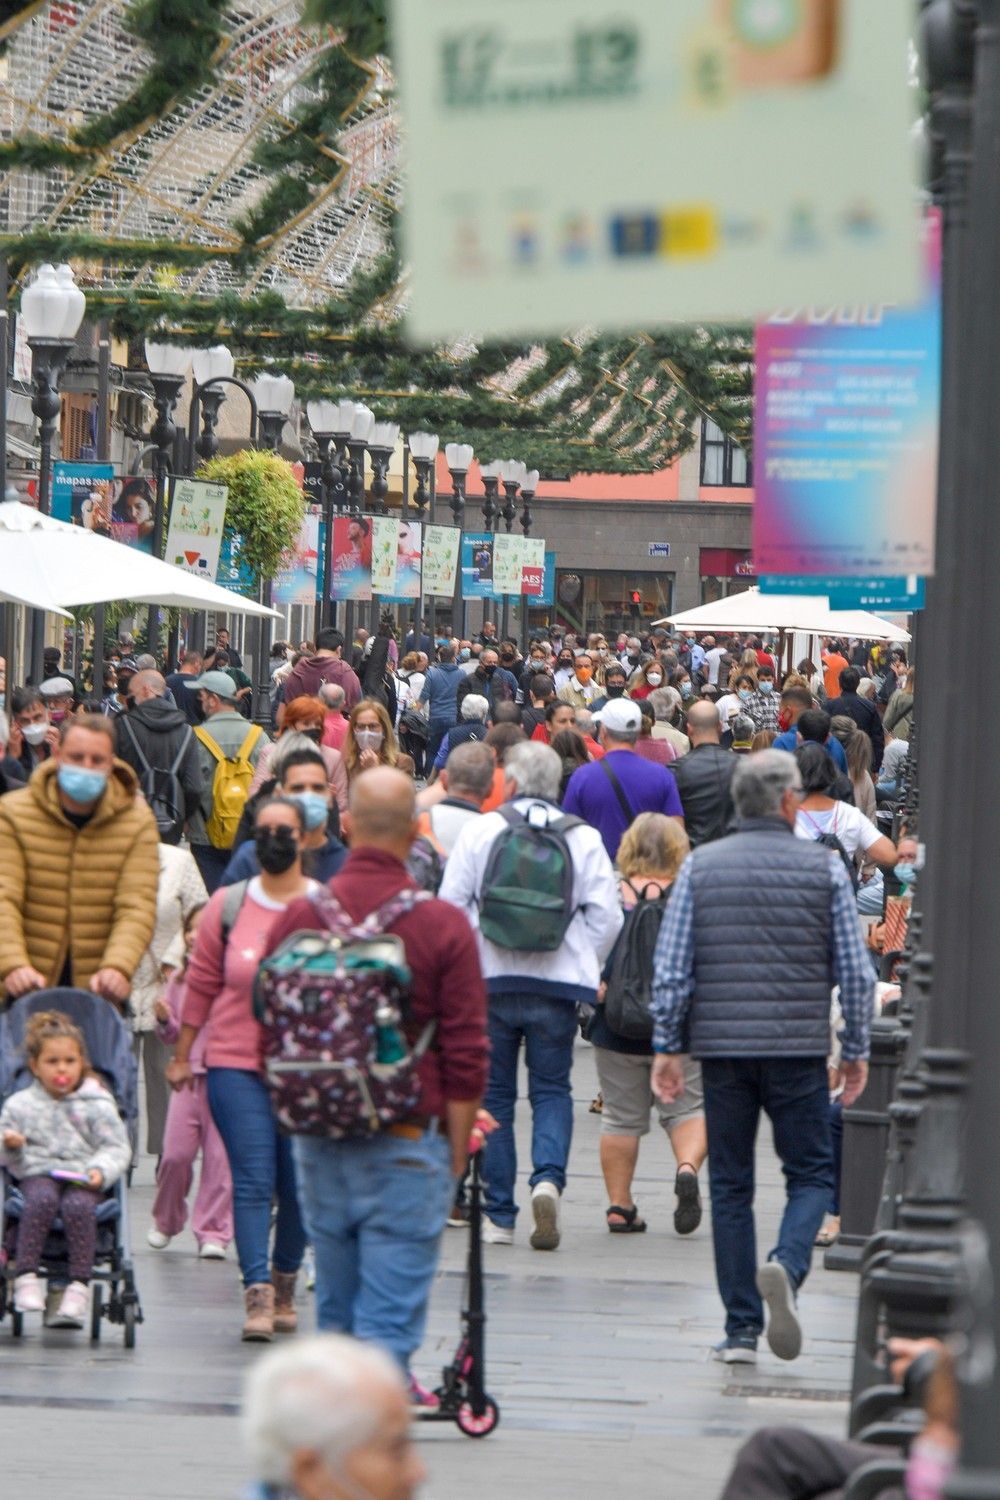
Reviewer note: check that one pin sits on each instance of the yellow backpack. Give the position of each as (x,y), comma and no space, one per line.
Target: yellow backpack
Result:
(230,786)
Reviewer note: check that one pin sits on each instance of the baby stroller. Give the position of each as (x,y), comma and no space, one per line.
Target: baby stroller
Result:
(109,1044)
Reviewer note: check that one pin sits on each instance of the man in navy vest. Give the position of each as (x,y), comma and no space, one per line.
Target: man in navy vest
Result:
(760,927)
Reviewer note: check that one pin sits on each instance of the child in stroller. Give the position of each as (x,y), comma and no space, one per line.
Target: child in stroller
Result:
(63,1139)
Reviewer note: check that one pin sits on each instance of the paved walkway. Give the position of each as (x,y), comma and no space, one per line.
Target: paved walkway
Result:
(597,1355)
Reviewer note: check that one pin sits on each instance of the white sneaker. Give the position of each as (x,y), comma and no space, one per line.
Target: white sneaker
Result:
(157,1238)
(545,1211)
(211,1251)
(29,1294)
(497,1234)
(74,1306)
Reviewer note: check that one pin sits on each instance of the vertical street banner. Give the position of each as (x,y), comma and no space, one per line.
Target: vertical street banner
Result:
(533,567)
(440,560)
(539,198)
(385,543)
(408,560)
(508,551)
(477,565)
(351,559)
(296,579)
(548,597)
(89,495)
(197,521)
(234,571)
(846,436)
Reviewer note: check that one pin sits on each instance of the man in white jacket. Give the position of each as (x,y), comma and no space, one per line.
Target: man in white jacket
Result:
(533,995)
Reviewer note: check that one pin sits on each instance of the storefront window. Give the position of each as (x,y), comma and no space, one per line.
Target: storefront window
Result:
(588,602)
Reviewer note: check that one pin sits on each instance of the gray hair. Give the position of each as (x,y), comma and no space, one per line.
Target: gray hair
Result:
(470,769)
(663,703)
(475,706)
(585,721)
(761,781)
(283,747)
(146,663)
(331,695)
(318,1393)
(743,728)
(535,770)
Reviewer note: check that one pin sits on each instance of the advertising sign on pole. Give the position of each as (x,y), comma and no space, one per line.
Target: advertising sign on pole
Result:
(508,552)
(295,581)
(384,544)
(846,437)
(477,565)
(880,594)
(351,563)
(197,519)
(90,496)
(440,560)
(574,163)
(533,567)
(548,597)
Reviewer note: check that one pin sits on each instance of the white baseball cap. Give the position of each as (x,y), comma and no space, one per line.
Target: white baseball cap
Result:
(620,716)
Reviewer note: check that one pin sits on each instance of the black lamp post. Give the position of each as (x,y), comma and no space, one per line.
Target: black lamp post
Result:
(424,450)
(514,474)
(491,486)
(330,423)
(458,457)
(168,367)
(381,446)
(362,422)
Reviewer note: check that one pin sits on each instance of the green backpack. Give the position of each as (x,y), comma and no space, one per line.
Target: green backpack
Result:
(526,901)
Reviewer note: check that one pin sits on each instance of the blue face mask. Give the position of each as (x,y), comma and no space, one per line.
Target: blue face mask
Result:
(905,874)
(686,689)
(744,695)
(464,654)
(315,809)
(766,686)
(81,785)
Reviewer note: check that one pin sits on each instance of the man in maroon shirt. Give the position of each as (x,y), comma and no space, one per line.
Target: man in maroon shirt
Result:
(375,1209)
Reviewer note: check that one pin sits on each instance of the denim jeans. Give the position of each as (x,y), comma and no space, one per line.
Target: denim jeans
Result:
(547,1026)
(375,1211)
(260,1160)
(794,1094)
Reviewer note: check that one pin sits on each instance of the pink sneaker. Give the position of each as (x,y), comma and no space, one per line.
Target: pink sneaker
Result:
(29,1294)
(422,1401)
(74,1307)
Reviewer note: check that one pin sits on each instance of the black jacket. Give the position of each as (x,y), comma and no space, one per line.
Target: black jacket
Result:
(704,779)
(865,715)
(160,730)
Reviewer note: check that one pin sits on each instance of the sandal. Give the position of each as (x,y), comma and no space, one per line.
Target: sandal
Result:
(830,1232)
(632,1225)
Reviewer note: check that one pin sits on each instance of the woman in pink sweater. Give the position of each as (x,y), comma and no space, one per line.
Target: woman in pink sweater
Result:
(220,980)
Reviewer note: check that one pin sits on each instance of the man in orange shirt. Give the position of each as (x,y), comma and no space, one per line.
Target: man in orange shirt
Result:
(834,663)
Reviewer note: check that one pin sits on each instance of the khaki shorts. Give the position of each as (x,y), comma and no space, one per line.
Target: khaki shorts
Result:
(628,1096)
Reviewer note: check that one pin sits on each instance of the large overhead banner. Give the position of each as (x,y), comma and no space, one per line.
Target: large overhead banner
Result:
(846,437)
(617,163)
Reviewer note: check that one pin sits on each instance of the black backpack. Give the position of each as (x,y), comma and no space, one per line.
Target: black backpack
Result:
(829,840)
(526,901)
(162,789)
(630,976)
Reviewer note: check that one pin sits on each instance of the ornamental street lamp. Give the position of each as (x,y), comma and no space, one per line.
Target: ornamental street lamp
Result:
(362,422)
(274,395)
(213,368)
(528,488)
(168,366)
(52,308)
(491,474)
(381,446)
(513,474)
(330,424)
(424,448)
(458,457)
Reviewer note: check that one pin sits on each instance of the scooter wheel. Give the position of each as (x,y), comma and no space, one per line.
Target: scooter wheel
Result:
(478,1427)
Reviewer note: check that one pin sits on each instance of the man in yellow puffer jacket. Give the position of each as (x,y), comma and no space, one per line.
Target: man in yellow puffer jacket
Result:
(78,870)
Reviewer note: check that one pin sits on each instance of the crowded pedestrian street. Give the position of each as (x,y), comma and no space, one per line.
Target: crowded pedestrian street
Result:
(598,1356)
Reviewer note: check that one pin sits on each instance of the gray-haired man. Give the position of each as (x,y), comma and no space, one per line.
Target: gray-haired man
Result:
(760,927)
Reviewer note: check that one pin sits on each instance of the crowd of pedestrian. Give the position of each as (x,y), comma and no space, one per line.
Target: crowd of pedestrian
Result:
(621,838)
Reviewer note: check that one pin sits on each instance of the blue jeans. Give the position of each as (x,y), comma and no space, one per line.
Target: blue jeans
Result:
(547,1027)
(436,731)
(375,1211)
(260,1160)
(794,1094)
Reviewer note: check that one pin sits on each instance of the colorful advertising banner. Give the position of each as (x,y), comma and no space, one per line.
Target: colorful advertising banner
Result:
(295,581)
(408,558)
(440,560)
(384,544)
(846,437)
(508,552)
(234,573)
(533,567)
(548,598)
(477,565)
(524,215)
(351,562)
(90,496)
(197,520)
(880,594)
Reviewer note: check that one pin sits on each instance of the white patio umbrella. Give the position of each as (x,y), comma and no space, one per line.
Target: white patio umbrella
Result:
(49,564)
(808,613)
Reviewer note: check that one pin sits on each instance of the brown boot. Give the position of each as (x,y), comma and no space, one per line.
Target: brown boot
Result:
(286,1319)
(258,1326)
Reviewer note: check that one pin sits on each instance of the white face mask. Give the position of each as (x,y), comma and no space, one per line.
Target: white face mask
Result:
(369,739)
(35,733)
(654,679)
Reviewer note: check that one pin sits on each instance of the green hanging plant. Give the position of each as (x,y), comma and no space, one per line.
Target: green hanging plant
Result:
(264,505)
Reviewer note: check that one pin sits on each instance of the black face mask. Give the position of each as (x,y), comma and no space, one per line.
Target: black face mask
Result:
(312,734)
(276,849)
(615,689)
(487,671)
(566,666)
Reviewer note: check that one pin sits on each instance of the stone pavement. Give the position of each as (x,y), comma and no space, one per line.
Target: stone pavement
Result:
(597,1355)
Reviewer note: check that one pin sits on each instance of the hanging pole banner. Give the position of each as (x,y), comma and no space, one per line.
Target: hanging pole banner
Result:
(611,163)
